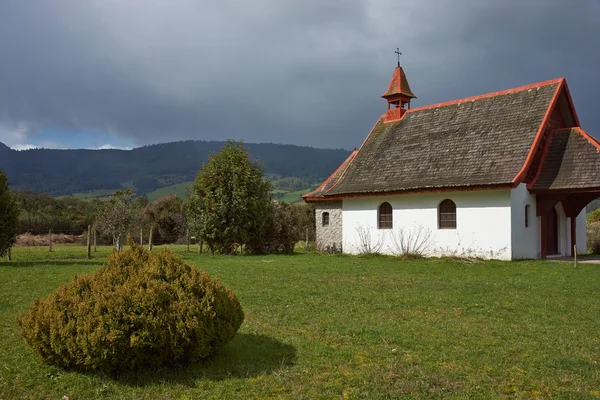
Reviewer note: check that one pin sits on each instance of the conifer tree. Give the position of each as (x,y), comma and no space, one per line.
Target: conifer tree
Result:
(9,217)
(230,201)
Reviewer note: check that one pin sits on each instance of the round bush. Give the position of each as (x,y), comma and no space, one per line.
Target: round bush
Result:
(141,309)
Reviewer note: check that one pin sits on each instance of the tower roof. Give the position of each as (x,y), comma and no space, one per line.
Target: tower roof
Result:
(399,85)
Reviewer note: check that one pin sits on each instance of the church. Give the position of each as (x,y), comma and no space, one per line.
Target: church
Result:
(504,175)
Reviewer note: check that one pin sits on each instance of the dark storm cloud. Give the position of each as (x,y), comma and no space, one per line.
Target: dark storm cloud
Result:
(308,72)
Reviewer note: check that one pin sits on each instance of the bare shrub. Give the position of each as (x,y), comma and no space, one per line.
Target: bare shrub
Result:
(593,237)
(365,242)
(27,239)
(414,242)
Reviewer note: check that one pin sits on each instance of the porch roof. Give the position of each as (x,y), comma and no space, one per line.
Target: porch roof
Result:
(571,163)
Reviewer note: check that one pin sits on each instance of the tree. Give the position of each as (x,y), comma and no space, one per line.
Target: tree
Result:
(230,201)
(9,217)
(168,215)
(116,216)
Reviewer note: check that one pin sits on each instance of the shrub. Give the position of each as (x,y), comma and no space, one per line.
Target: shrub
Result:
(141,309)
(593,237)
(27,239)
(594,216)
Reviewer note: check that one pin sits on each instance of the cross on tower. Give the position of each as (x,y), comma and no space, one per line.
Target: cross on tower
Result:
(399,54)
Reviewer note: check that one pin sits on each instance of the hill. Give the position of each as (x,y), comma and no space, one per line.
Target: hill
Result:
(145,169)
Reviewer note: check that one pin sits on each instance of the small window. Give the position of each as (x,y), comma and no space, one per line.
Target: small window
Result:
(447,215)
(325,219)
(527,216)
(385,219)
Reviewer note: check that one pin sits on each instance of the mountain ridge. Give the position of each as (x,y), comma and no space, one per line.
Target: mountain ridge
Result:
(63,172)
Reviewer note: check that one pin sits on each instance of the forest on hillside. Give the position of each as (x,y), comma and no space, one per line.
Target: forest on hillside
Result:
(65,172)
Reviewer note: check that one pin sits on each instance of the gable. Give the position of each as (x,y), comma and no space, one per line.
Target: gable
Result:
(562,115)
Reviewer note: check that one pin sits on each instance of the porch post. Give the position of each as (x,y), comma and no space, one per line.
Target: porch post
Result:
(573,235)
(544,228)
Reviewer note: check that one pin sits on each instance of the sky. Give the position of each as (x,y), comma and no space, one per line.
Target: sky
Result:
(127,73)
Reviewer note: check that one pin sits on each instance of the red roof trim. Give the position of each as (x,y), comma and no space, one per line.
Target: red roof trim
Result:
(589,137)
(538,136)
(418,191)
(308,195)
(484,96)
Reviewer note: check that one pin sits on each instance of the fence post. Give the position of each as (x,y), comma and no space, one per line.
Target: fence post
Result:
(141,236)
(9,255)
(187,234)
(200,243)
(306,242)
(150,238)
(89,242)
(50,240)
(95,236)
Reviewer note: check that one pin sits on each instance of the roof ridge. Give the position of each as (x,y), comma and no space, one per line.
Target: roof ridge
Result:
(487,95)
(587,136)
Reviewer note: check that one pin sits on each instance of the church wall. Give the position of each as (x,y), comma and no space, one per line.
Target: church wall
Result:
(329,238)
(526,241)
(564,229)
(581,232)
(483,224)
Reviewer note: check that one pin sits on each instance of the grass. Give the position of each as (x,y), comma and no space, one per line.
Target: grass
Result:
(180,189)
(94,194)
(295,197)
(335,326)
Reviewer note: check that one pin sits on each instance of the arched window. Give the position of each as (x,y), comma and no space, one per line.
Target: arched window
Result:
(447,215)
(385,219)
(526,215)
(325,219)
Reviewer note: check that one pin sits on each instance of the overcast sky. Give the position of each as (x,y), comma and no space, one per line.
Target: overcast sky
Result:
(124,73)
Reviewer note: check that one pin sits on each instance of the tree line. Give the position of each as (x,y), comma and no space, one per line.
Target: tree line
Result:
(231,208)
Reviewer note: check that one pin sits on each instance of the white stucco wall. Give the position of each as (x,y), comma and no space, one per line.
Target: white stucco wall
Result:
(483,224)
(526,242)
(581,232)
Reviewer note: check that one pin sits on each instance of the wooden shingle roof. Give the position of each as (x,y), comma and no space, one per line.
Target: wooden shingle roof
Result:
(571,161)
(481,141)
(333,178)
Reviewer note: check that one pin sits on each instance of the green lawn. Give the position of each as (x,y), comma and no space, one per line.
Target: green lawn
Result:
(334,326)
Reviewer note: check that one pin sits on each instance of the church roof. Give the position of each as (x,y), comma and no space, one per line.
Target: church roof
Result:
(334,178)
(571,161)
(483,141)
(399,85)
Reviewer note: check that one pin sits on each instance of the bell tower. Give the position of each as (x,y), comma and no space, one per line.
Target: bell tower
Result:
(398,94)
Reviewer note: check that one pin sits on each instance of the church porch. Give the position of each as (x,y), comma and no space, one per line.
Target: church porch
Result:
(572,202)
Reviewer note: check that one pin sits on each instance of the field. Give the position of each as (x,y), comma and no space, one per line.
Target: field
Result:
(182,189)
(334,326)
